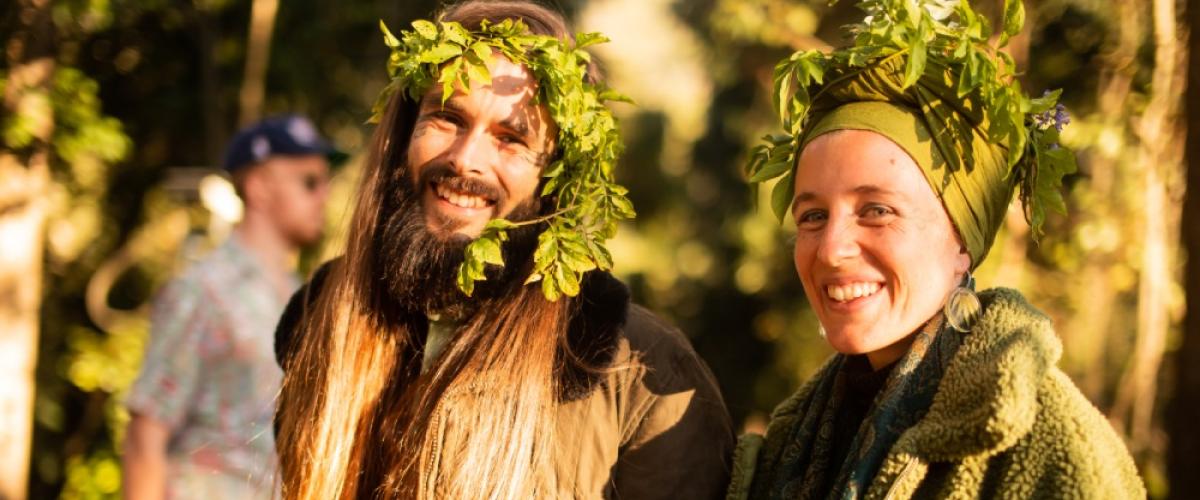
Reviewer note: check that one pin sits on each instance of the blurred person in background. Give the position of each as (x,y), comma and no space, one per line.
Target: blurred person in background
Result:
(897,186)
(534,384)
(201,407)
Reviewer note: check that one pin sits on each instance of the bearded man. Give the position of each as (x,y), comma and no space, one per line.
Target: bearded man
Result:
(470,344)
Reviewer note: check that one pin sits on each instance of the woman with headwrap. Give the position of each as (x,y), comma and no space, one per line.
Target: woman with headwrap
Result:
(901,157)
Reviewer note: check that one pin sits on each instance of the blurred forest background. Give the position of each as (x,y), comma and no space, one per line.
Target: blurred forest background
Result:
(115,114)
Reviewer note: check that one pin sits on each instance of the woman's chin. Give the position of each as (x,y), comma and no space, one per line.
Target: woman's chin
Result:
(853,339)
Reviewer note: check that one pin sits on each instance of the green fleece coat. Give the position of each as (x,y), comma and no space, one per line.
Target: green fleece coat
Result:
(1005,423)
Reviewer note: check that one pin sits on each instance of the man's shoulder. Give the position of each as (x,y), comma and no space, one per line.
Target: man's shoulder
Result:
(628,333)
(660,353)
(293,312)
(220,267)
(653,336)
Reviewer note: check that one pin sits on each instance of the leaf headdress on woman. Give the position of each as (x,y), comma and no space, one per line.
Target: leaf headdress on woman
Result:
(579,179)
(929,75)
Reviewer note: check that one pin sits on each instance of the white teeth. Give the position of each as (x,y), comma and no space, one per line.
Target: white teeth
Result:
(842,293)
(459,199)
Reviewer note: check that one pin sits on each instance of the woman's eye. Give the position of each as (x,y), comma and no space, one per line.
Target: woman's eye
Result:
(877,211)
(810,218)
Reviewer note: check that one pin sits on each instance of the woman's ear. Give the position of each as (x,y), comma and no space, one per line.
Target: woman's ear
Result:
(962,261)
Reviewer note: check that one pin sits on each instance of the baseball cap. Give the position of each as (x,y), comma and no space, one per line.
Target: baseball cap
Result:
(288,135)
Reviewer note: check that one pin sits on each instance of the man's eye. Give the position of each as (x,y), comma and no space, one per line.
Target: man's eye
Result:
(512,139)
(443,116)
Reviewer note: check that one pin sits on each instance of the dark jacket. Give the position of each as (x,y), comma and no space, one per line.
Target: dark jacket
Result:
(655,428)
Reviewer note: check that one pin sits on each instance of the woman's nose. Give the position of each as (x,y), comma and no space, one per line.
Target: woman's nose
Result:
(839,242)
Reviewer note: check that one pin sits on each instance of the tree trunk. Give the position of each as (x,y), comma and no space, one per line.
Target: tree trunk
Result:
(24,176)
(1135,400)
(1183,454)
(258,53)
(1089,330)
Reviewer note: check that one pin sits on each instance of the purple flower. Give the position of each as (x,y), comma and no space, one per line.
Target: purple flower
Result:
(1061,117)
(1057,118)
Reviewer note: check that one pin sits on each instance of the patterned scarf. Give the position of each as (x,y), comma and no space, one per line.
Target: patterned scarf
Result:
(802,464)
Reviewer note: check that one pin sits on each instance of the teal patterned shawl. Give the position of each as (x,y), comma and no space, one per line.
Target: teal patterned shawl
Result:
(796,468)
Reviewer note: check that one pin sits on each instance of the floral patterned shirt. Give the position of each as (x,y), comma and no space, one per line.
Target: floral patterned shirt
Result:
(210,375)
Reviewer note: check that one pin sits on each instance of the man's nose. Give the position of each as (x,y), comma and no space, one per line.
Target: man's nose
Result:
(839,241)
(471,153)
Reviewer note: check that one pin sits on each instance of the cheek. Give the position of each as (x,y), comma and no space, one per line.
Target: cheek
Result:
(519,183)
(802,257)
(427,143)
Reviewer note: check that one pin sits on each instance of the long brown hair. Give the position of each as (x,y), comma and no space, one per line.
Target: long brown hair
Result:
(358,419)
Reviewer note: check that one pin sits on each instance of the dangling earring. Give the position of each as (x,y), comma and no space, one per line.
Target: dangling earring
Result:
(962,307)
(821,330)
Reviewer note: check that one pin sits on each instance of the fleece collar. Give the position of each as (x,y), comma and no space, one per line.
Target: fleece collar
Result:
(987,399)
(598,316)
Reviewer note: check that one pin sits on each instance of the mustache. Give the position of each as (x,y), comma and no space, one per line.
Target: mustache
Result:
(442,174)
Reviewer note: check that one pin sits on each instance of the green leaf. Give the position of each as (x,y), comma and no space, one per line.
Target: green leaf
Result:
(483,51)
(566,281)
(916,56)
(466,282)
(600,255)
(425,29)
(440,53)
(499,225)
(614,96)
(551,289)
(814,69)
(547,250)
(455,33)
(479,74)
(588,39)
(1014,20)
(624,207)
(1044,103)
(783,92)
(489,251)
(774,167)
(781,196)
(388,38)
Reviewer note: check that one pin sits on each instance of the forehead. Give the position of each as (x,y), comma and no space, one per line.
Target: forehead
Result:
(508,99)
(843,161)
(510,82)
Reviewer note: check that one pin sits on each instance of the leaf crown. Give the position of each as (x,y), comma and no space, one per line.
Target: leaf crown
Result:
(952,34)
(579,180)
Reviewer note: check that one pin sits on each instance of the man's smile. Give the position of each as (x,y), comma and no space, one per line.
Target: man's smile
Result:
(460,198)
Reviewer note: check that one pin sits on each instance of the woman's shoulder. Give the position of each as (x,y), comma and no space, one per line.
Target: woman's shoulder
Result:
(988,398)
(1072,449)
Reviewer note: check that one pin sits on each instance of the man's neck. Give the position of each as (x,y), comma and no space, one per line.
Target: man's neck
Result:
(275,254)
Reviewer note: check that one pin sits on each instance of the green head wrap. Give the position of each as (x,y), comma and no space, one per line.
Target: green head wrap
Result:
(945,97)
(967,171)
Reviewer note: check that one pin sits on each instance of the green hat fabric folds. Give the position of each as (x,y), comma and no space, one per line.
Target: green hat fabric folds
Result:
(923,74)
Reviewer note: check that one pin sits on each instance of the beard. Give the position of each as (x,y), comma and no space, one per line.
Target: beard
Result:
(419,267)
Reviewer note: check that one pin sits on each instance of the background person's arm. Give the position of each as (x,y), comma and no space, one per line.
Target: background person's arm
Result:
(145,458)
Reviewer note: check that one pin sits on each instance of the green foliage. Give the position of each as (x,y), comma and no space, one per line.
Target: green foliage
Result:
(955,36)
(588,202)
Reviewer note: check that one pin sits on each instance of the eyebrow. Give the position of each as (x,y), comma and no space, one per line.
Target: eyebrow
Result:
(865,189)
(521,127)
